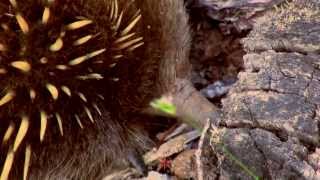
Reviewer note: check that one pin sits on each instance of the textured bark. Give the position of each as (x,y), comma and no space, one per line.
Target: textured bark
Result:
(271,114)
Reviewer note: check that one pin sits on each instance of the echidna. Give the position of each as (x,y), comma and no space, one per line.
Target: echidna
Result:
(73,76)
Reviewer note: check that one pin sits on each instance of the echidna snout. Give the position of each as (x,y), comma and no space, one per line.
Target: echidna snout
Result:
(53,62)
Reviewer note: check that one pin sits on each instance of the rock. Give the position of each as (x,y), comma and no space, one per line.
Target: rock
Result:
(314,159)
(236,14)
(271,115)
(241,145)
(292,28)
(217,89)
(157,176)
(285,160)
(183,166)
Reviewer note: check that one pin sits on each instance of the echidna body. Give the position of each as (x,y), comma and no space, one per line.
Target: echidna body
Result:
(73,76)
(53,59)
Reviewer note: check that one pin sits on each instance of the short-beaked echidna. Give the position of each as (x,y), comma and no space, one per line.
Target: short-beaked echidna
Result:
(73,76)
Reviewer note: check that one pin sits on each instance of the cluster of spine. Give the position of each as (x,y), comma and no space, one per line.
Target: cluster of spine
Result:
(44,75)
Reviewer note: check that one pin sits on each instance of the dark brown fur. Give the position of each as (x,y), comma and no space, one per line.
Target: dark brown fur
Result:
(100,148)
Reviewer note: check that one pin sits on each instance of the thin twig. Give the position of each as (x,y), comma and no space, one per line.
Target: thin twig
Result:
(199,150)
